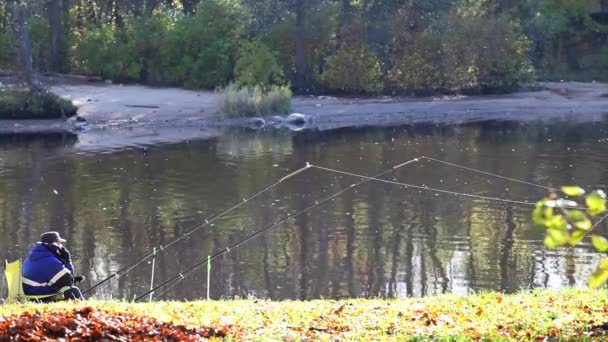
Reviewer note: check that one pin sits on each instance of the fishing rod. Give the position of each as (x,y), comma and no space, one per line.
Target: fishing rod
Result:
(207,222)
(182,275)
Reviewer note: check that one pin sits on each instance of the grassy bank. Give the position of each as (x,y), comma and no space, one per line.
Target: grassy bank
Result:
(539,315)
(253,101)
(24,104)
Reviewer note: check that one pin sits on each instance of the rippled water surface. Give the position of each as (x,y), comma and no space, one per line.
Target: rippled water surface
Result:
(377,239)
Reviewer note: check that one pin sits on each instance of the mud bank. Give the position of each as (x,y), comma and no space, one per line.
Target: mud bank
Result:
(144,114)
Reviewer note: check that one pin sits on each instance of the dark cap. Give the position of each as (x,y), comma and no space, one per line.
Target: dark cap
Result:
(50,237)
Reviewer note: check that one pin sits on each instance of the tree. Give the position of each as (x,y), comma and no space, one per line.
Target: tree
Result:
(300,47)
(55,15)
(24,47)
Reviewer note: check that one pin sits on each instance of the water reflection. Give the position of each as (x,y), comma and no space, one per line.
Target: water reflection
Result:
(376,240)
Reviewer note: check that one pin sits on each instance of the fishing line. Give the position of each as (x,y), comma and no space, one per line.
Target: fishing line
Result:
(162,248)
(426,188)
(491,174)
(182,275)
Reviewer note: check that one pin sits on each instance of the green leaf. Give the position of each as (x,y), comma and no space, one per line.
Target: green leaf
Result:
(537,214)
(573,190)
(584,224)
(580,220)
(577,236)
(576,215)
(603,265)
(598,278)
(556,238)
(596,202)
(548,212)
(550,242)
(557,222)
(600,243)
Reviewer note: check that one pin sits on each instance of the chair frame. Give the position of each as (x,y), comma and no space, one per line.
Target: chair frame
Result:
(21,296)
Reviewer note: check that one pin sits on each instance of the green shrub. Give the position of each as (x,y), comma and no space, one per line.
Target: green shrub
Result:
(146,35)
(23,104)
(483,53)
(197,51)
(101,51)
(252,101)
(353,69)
(415,67)
(200,51)
(256,65)
(277,100)
(7,53)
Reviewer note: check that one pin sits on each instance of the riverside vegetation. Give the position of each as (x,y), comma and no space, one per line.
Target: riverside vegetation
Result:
(541,315)
(23,104)
(318,46)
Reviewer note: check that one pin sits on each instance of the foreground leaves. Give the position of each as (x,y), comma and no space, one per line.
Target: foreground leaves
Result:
(567,224)
(537,316)
(89,324)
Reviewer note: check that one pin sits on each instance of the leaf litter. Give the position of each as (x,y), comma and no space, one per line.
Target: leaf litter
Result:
(87,324)
(539,315)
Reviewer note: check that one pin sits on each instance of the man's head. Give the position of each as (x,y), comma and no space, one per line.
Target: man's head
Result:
(52,238)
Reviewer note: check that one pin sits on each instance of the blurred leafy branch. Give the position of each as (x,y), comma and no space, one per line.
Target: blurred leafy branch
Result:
(569,220)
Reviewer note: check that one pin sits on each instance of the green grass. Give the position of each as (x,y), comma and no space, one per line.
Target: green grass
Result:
(23,104)
(252,101)
(538,315)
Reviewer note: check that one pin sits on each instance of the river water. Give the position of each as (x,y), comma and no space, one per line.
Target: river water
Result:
(377,239)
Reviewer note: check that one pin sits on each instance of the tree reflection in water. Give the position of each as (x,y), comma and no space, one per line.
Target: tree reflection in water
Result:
(379,240)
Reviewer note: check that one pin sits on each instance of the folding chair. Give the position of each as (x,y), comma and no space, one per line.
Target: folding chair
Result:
(12,273)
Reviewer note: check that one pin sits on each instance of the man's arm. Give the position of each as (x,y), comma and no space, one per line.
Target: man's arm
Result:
(66,258)
(67,279)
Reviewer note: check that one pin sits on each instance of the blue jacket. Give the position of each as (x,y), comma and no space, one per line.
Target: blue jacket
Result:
(44,272)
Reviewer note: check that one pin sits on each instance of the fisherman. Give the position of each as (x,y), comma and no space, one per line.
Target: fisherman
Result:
(48,269)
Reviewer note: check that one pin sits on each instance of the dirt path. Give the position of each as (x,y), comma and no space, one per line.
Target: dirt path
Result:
(117,115)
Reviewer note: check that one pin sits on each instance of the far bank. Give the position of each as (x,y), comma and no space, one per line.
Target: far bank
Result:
(148,114)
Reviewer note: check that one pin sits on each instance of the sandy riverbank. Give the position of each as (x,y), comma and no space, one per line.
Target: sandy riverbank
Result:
(115,105)
(140,113)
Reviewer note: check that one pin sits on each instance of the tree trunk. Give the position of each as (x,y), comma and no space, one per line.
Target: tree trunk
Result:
(300,48)
(345,14)
(56,31)
(117,17)
(189,6)
(151,5)
(24,48)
